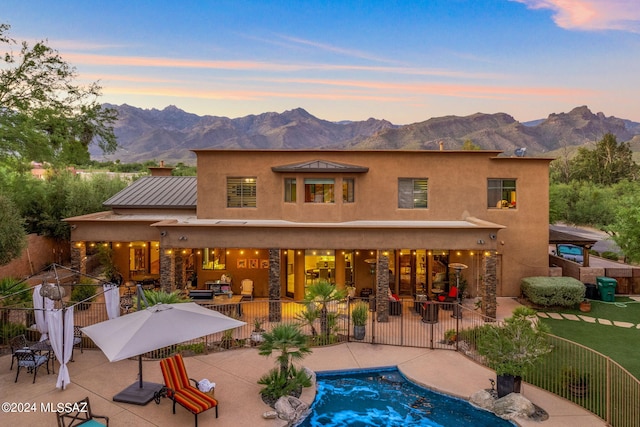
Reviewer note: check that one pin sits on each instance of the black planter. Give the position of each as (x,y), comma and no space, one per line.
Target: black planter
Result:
(430,312)
(359,332)
(508,384)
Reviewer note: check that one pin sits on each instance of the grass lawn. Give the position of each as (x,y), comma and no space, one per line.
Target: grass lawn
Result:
(620,344)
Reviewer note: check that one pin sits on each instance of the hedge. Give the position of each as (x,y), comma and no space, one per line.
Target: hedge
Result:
(553,291)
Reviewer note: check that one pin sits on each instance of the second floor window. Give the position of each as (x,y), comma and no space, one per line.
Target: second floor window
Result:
(319,191)
(412,193)
(501,193)
(290,190)
(241,192)
(348,185)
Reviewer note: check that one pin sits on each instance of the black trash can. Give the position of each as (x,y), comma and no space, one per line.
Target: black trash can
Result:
(592,291)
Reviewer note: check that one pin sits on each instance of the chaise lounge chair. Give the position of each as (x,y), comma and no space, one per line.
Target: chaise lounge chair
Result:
(179,390)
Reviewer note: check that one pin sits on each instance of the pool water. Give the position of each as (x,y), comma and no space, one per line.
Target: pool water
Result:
(384,397)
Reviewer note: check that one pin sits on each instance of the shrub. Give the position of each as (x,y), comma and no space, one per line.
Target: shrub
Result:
(610,255)
(83,293)
(553,291)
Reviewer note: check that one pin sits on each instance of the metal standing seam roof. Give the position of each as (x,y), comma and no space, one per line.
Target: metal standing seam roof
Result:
(157,192)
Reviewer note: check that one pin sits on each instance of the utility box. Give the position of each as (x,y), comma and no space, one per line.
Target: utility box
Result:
(607,288)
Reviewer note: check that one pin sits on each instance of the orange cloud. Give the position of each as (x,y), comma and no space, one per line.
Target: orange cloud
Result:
(591,14)
(134,61)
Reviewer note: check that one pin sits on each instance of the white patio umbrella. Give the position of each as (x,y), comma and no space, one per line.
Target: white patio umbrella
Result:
(150,329)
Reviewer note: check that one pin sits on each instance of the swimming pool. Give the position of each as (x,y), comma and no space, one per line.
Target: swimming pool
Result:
(384,397)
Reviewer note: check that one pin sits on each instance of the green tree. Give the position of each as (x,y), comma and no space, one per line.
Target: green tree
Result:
(44,114)
(607,164)
(13,238)
(625,229)
(469,145)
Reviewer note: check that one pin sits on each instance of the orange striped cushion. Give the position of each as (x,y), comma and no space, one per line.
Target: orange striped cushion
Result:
(176,379)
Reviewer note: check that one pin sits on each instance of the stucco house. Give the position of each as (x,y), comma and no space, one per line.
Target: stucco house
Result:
(368,219)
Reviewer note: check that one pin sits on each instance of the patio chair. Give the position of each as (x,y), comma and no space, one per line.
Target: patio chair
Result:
(80,413)
(30,360)
(77,340)
(179,389)
(19,342)
(247,288)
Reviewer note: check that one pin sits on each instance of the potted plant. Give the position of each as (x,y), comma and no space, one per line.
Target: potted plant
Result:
(256,334)
(576,382)
(359,316)
(450,336)
(512,349)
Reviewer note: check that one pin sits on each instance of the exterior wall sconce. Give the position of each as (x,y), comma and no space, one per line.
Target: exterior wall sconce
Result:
(480,242)
(182,238)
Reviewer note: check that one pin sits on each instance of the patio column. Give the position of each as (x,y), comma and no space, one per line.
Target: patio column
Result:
(275,303)
(382,287)
(79,257)
(167,269)
(489,301)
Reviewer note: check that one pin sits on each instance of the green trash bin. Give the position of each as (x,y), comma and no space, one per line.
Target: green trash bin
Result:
(607,288)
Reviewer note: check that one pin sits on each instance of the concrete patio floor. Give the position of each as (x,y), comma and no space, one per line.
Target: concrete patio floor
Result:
(236,373)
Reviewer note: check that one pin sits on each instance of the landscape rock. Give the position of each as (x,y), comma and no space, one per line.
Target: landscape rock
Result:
(291,408)
(270,415)
(514,405)
(482,399)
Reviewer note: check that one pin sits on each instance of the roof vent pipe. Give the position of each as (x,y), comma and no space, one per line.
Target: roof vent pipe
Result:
(441,145)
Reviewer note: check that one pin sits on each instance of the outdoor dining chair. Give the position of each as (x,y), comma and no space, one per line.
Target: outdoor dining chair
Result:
(30,360)
(19,342)
(80,413)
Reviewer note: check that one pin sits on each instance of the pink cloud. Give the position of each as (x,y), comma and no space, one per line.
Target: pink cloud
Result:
(587,15)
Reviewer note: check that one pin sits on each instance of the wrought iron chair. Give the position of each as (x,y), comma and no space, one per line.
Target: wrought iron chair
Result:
(19,342)
(77,340)
(80,413)
(30,360)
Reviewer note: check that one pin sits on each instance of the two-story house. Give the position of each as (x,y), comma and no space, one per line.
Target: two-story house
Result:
(368,219)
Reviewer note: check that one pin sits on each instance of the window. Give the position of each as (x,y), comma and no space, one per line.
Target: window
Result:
(412,193)
(241,192)
(214,259)
(319,191)
(501,193)
(290,190)
(347,190)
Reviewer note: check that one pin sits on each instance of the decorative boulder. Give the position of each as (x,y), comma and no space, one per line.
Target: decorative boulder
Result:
(482,399)
(513,405)
(291,408)
(270,415)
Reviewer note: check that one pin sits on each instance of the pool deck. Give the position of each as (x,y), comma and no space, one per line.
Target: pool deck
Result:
(235,374)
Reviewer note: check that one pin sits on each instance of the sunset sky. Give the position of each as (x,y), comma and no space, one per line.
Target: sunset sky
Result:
(404,61)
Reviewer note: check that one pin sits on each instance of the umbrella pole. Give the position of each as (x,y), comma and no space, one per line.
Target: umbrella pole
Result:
(137,393)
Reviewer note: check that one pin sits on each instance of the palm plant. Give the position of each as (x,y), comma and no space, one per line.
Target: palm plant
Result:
(322,294)
(154,297)
(308,317)
(289,341)
(285,380)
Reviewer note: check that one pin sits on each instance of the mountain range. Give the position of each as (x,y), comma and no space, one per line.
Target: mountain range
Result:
(170,134)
